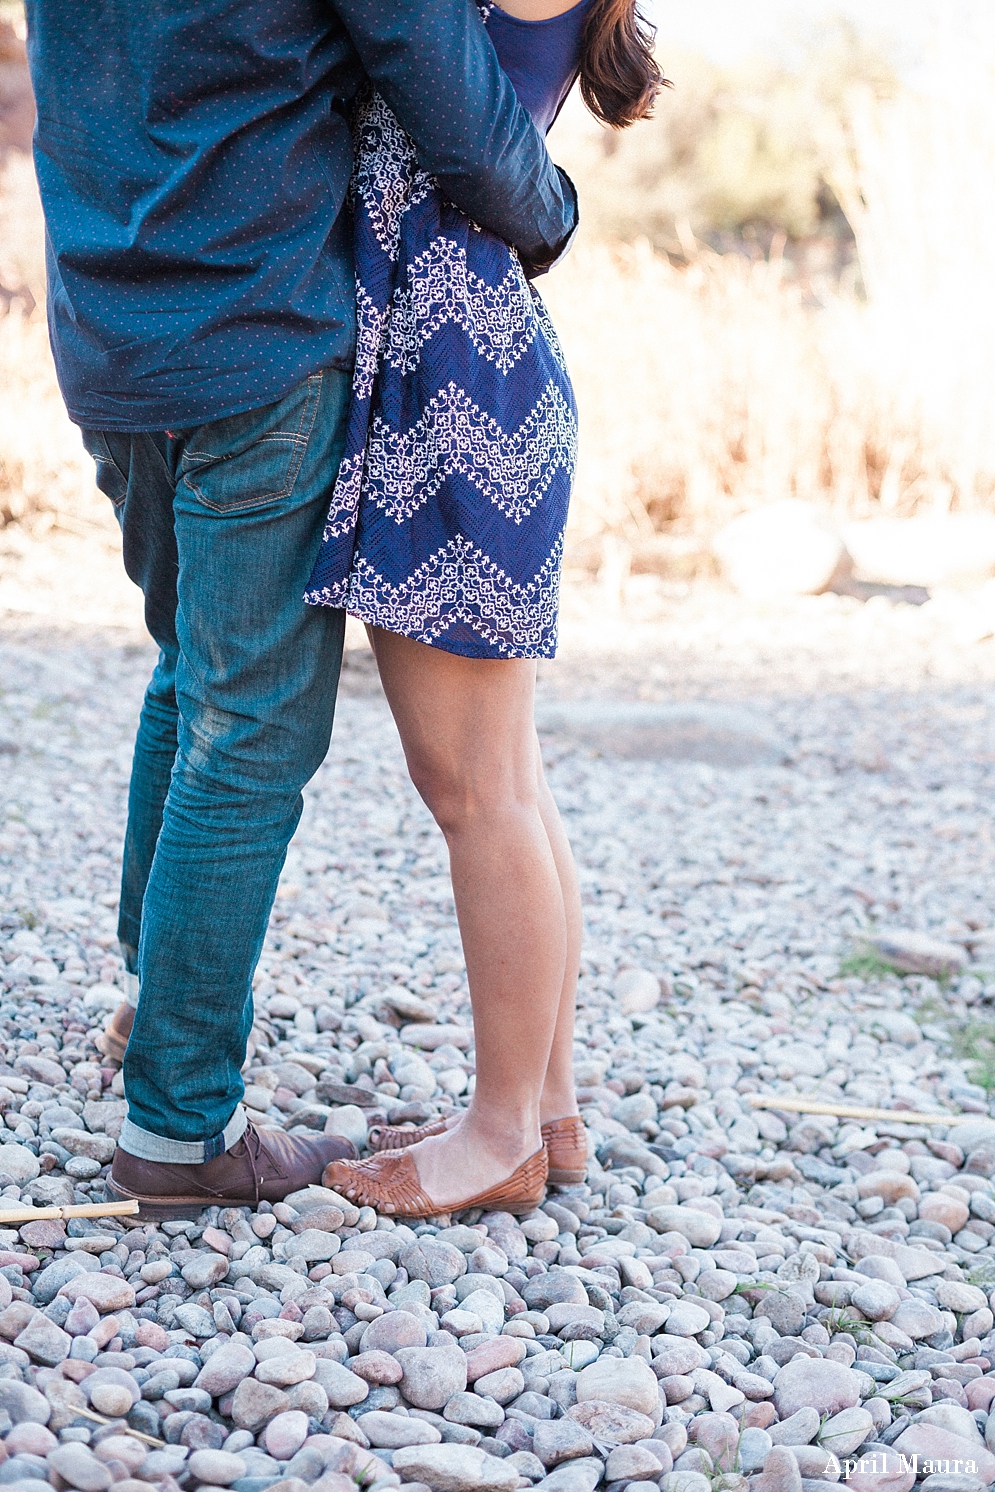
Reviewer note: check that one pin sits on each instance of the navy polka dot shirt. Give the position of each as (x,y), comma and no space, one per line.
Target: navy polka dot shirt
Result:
(194,157)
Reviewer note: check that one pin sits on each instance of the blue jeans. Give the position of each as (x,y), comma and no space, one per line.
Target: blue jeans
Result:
(221,527)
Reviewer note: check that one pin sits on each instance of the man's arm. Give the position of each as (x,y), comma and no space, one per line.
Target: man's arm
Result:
(434,64)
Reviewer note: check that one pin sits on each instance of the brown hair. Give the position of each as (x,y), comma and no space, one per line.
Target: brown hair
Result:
(619,76)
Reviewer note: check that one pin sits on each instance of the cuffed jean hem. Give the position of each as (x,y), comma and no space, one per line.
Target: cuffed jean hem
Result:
(130,983)
(147,1146)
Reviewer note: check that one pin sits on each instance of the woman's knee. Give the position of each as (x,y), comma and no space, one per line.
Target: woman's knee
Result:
(463,793)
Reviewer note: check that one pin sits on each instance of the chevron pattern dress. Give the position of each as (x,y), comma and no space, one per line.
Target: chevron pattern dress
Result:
(446,520)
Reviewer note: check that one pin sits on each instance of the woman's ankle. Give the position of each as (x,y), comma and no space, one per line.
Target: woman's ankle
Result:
(558,1103)
(504,1139)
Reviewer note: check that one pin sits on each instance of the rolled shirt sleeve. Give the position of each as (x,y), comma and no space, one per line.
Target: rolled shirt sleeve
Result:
(435,66)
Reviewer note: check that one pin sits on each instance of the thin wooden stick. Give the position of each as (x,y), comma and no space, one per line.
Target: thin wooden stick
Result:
(127,1430)
(849,1111)
(86,1209)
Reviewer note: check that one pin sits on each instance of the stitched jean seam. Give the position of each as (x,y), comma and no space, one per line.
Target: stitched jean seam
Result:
(299,438)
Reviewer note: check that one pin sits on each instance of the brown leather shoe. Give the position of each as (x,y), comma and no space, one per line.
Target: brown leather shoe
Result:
(113,1039)
(263,1166)
(390,1183)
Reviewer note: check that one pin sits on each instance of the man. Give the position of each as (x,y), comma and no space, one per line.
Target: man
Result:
(193,158)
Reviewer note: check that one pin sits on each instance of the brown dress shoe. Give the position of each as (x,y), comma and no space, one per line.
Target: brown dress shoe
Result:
(113,1040)
(389,1182)
(263,1166)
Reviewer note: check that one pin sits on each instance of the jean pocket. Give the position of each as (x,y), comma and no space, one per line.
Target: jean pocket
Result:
(250,460)
(110,479)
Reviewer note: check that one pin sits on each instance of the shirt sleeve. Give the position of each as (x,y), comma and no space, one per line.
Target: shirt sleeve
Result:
(435,66)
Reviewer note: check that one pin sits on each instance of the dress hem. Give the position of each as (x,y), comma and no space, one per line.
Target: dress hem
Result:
(497,653)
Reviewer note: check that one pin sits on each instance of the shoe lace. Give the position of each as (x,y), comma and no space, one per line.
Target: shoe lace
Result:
(252,1141)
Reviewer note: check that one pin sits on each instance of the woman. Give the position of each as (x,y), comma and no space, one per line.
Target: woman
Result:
(445,536)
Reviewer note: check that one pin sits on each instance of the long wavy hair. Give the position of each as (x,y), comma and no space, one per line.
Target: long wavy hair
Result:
(619,76)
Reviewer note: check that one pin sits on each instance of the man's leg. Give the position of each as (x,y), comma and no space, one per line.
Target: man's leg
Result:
(132,471)
(255,682)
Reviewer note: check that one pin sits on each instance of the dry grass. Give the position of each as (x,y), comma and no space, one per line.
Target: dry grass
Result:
(708,388)
(705,390)
(45,475)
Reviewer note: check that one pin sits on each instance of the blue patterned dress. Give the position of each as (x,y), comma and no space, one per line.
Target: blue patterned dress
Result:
(446,520)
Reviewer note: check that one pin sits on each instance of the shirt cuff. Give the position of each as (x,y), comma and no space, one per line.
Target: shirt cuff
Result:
(534,269)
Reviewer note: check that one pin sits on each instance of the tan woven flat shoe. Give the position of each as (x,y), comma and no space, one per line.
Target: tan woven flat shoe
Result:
(400,1136)
(566,1145)
(565,1141)
(113,1040)
(389,1183)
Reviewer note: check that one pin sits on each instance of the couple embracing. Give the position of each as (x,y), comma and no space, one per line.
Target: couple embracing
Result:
(291,249)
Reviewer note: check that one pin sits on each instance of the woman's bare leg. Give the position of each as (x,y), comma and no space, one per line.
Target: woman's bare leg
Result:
(559,1097)
(469,740)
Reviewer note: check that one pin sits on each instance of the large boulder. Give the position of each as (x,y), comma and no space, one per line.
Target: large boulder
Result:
(781,549)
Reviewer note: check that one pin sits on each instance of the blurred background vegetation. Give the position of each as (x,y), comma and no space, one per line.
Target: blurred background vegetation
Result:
(737,157)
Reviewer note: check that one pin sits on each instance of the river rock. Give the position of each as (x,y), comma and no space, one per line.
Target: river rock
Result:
(391,1431)
(796,1429)
(473,1409)
(632,1463)
(22,1402)
(940,1207)
(392,1332)
(431,1375)
(490,1357)
(98,1147)
(933,1443)
(781,548)
(815,1383)
(106,1291)
(557,1440)
(503,1386)
(454,1468)
(255,1403)
(216,1468)
(877,1300)
(781,1472)
(612,1423)
(636,991)
(687,1319)
(556,1286)
(285,1434)
(79,1467)
(917,1319)
(205,1270)
(754,1444)
(225,1369)
(915,953)
(433,1261)
(44,1341)
(628,1381)
(956,1295)
(844,1432)
(345,1388)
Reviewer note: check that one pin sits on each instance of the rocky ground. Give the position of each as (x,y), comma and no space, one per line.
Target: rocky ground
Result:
(737,1297)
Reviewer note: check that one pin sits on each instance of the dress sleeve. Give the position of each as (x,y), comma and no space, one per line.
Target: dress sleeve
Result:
(436,68)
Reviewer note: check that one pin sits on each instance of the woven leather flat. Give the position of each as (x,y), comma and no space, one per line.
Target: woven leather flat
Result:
(113,1040)
(400,1136)
(566,1145)
(565,1141)
(389,1183)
